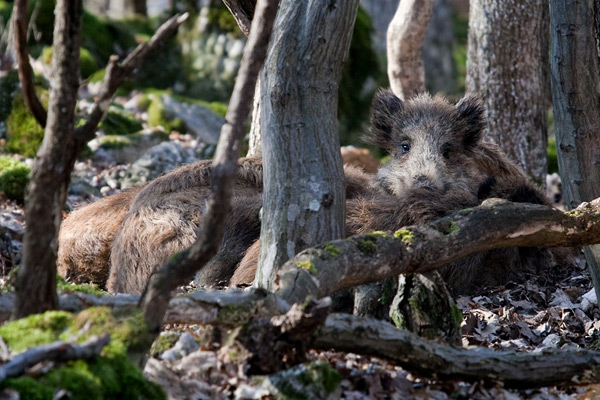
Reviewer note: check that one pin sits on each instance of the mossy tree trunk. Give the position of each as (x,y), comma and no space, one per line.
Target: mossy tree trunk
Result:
(575,74)
(36,281)
(507,62)
(304,197)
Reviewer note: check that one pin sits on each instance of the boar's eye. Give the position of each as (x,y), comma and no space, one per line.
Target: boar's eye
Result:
(404,148)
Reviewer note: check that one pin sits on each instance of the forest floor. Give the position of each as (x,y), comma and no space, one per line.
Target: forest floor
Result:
(552,309)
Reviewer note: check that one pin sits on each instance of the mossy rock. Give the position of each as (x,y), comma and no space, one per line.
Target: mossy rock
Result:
(88,288)
(112,375)
(24,133)
(87,63)
(119,121)
(157,116)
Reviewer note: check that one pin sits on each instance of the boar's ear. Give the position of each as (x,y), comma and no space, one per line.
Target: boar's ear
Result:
(383,110)
(471,110)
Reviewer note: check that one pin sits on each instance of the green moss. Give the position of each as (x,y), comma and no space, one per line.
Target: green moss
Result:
(573,213)
(405,235)
(23,131)
(332,250)
(367,246)
(377,234)
(447,226)
(157,116)
(29,388)
(39,328)
(163,343)
(119,121)
(307,381)
(89,288)
(307,265)
(14,176)
(457,315)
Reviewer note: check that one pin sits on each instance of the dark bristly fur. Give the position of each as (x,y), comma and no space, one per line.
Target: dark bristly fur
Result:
(438,165)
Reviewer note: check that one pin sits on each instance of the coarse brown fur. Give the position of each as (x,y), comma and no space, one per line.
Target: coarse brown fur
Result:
(86,237)
(439,164)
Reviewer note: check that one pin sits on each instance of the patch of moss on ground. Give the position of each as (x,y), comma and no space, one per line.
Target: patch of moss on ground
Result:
(89,288)
(163,343)
(306,381)
(14,176)
(119,121)
(157,116)
(24,133)
(109,376)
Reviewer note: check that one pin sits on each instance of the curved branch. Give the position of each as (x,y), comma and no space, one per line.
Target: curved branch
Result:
(243,12)
(25,72)
(340,264)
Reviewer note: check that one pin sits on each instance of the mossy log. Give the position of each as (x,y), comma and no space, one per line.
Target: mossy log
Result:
(373,257)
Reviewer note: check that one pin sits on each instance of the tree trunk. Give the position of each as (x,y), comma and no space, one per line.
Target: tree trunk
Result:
(575,82)
(507,63)
(36,281)
(304,196)
(404,47)
(440,68)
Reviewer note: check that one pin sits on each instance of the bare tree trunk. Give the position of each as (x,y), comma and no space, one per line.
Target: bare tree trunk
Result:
(575,82)
(404,47)
(507,63)
(36,281)
(304,197)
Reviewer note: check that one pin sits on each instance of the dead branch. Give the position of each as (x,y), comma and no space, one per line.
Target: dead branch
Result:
(323,270)
(118,72)
(345,332)
(25,72)
(243,12)
(57,351)
(182,267)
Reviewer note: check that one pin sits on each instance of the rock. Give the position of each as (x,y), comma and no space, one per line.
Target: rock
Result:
(81,188)
(156,161)
(124,149)
(184,346)
(204,124)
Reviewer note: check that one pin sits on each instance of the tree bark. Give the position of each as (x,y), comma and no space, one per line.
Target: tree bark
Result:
(304,195)
(181,267)
(51,172)
(243,12)
(36,280)
(507,63)
(575,76)
(404,47)
(340,264)
(378,338)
